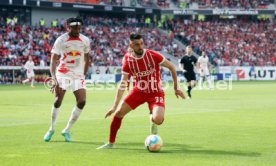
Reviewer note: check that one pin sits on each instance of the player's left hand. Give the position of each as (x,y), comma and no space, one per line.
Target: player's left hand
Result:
(178,92)
(110,112)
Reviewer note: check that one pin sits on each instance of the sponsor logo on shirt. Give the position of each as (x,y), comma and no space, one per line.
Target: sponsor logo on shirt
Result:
(145,73)
(74,54)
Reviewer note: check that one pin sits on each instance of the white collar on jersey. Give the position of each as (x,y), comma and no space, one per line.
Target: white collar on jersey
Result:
(145,50)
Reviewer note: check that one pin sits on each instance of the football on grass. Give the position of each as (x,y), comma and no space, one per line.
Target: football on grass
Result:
(153,143)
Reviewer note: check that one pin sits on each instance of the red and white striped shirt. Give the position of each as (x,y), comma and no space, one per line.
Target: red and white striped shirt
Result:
(144,70)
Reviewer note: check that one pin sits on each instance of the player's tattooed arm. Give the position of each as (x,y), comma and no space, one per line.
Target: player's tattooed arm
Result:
(86,63)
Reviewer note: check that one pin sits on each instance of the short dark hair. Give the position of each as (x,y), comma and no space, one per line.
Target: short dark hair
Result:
(74,19)
(134,36)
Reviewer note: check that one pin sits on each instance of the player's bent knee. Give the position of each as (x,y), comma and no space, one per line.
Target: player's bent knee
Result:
(158,121)
(57,103)
(119,114)
(81,104)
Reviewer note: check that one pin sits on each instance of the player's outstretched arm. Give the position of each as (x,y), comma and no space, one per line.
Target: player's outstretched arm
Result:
(122,87)
(53,65)
(177,90)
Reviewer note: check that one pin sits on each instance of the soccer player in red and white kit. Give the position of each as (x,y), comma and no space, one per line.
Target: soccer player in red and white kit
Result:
(144,66)
(73,49)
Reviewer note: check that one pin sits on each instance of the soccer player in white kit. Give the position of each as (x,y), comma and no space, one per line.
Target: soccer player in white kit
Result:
(73,49)
(29,66)
(203,69)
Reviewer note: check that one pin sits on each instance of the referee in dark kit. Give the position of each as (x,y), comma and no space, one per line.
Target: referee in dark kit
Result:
(186,64)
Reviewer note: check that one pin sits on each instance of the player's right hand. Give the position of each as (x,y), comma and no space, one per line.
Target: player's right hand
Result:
(55,88)
(178,92)
(110,112)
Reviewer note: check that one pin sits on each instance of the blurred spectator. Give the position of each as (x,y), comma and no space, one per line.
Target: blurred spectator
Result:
(107,71)
(98,71)
(42,63)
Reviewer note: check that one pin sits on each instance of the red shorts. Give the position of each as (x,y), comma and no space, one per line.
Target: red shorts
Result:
(136,98)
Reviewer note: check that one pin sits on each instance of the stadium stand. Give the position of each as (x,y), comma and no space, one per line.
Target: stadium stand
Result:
(243,41)
(163,3)
(19,41)
(245,4)
(99,2)
(230,42)
(108,42)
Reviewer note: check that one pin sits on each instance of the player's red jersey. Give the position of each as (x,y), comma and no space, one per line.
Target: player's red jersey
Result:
(145,71)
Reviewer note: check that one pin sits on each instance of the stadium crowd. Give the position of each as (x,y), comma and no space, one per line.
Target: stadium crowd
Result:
(100,2)
(235,42)
(245,4)
(154,3)
(108,40)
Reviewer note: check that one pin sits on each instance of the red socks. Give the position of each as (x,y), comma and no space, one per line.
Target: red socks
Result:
(114,127)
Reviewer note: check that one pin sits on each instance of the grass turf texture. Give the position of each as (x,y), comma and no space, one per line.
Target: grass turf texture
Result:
(236,127)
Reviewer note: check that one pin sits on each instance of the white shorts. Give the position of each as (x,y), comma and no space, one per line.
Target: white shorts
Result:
(30,74)
(74,84)
(204,72)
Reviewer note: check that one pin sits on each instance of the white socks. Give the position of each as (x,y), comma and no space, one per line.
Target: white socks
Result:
(200,83)
(209,82)
(74,117)
(54,114)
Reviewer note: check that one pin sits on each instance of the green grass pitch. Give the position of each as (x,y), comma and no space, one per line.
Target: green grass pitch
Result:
(216,128)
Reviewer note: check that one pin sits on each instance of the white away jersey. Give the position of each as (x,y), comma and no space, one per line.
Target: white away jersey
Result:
(203,62)
(72,52)
(29,66)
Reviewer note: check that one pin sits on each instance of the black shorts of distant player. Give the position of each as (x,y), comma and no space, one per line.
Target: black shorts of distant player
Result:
(190,75)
